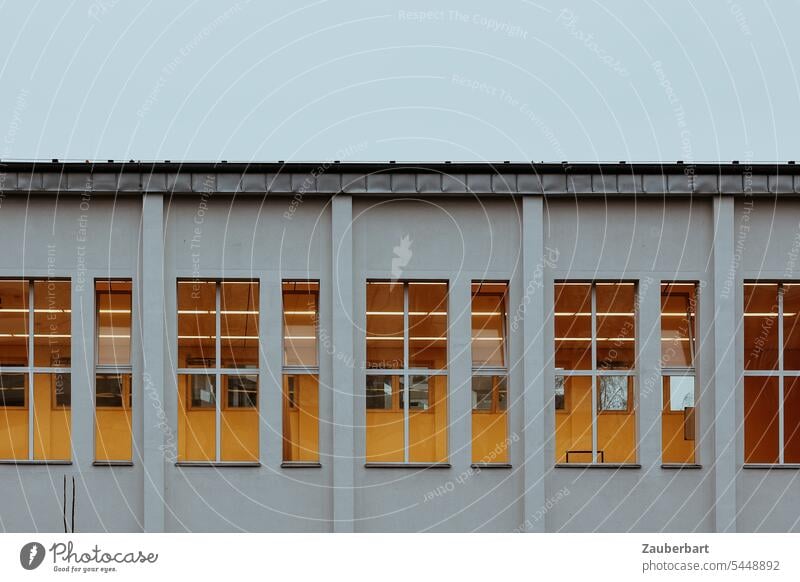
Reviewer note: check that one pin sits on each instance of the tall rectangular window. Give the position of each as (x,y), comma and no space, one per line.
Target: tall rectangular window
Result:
(113,397)
(595,351)
(678,419)
(489,373)
(35,388)
(218,368)
(771,373)
(300,372)
(406,382)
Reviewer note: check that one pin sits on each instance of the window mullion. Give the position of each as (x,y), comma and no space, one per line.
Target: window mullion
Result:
(31,362)
(780,374)
(594,372)
(218,376)
(407,365)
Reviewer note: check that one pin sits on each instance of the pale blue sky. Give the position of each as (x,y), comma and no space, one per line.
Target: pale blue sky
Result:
(515,80)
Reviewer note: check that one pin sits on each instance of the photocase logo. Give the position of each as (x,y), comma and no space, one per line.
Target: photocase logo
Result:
(402,255)
(31,555)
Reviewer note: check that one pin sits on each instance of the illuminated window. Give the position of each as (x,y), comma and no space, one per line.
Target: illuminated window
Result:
(218,371)
(300,372)
(113,398)
(772,373)
(489,373)
(406,383)
(595,351)
(35,388)
(678,419)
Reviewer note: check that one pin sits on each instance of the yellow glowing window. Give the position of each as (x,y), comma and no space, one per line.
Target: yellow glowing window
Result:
(113,386)
(489,373)
(406,381)
(300,372)
(218,362)
(595,354)
(35,396)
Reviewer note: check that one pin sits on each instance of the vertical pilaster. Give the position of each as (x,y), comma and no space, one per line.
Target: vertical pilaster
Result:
(534,398)
(343,385)
(648,403)
(153,373)
(724,279)
(460,389)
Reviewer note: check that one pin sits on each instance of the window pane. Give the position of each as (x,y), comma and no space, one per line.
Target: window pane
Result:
(678,420)
(791,327)
(616,329)
(791,419)
(51,417)
(113,441)
(760,420)
(616,420)
(560,399)
(239,323)
(760,326)
(482,388)
(52,315)
(113,304)
(300,316)
(13,416)
(427,420)
(385,306)
(573,326)
(197,324)
(197,418)
(678,308)
(13,323)
(427,325)
(385,425)
(239,436)
(574,421)
(489,423)
(300,418)
(488,324)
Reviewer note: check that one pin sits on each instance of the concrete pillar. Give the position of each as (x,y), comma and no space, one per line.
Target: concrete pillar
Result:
(343,374)
(460,373)
(534,399)
(153,373)
(648,403)
(724,288)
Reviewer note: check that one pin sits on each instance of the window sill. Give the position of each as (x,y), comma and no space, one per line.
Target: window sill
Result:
(490,465)
(681,466)
(218,464)
(300,465)
(770,466)
(32,462)
(407,465)
(598,466)
(112,464)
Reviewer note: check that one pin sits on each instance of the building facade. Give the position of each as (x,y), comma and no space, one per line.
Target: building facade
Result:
(400,347)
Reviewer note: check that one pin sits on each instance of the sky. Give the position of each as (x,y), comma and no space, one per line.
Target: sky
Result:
(513,80)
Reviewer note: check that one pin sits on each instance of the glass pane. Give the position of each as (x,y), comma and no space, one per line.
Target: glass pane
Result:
(573,326)
(239,419)
(791,327)
(482,392)
(197,418)
(616,420)
(560,400)
(385,420)
(427,325)
(678,420)
(427,419)
(197,324)
(239,323)
(113,304)
(574,421)
(385,306)
(380,391)
(51,323)
(488,324)
(113,434)
(760,420)
(52,417)
(300,317)
(760,326)
(13,416)
(300,418)
(791,419)
(616,326)
(13,323)
(489,424)
(502,392)
(678,308)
